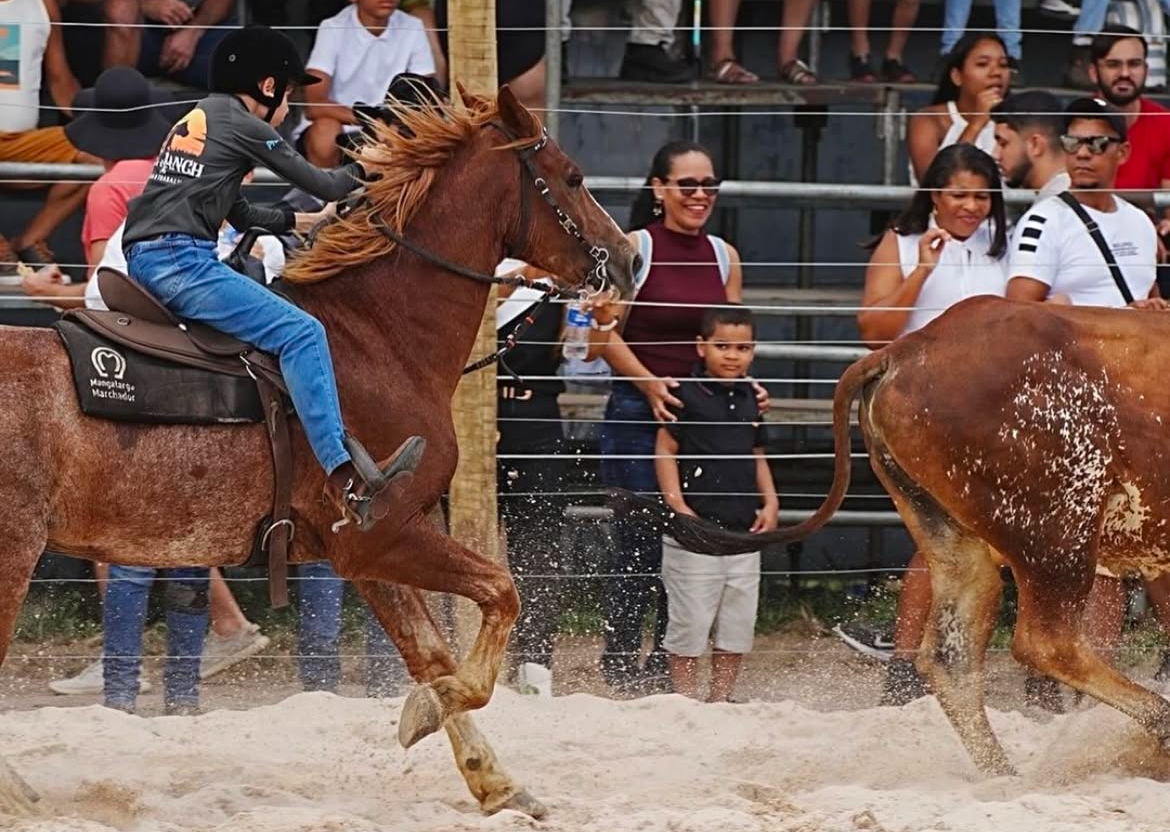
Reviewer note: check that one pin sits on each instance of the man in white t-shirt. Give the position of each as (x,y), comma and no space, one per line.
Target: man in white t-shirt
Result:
(357,53)
(1053,256)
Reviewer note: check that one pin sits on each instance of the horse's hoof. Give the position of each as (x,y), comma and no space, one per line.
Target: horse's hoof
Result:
(422,715)
(524,802)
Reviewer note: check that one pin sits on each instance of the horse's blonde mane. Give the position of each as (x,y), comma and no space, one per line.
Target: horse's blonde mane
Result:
(401,169)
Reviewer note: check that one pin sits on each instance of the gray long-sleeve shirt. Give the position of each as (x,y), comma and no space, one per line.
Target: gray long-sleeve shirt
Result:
(195,184)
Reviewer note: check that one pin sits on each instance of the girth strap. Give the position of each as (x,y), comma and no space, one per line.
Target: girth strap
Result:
(279,533)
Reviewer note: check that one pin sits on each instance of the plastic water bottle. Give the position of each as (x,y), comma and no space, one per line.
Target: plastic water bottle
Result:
(576,344)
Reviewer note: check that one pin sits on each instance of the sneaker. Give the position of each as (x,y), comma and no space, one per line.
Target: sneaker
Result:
(893,71)
(1062,9)
(861,69)
(534,679)
(903,684)
(873,640)
(38,255)
(88,681)
(643,62)
(221,652)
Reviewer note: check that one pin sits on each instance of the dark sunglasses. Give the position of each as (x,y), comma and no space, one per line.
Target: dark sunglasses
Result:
(1096,144)
(688,185)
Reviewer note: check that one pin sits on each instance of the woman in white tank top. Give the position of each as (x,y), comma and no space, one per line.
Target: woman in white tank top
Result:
(975,79)
(947,246)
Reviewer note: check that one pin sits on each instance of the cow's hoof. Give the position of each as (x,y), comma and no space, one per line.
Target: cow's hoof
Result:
(422,715)
(17,798)
(522,802)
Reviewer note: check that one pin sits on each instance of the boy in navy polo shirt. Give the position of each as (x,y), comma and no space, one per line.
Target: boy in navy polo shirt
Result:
(710,464)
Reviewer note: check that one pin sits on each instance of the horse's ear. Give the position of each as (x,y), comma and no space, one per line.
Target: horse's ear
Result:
(515,115)
(470,100)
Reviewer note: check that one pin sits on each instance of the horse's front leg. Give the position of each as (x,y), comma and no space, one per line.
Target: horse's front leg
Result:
(403,613)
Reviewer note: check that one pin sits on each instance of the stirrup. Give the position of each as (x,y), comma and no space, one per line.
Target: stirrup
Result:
(361,498)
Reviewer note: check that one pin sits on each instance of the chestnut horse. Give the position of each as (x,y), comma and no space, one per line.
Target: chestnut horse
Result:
(465,185)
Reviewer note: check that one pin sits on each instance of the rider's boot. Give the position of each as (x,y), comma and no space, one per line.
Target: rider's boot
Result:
(365,490)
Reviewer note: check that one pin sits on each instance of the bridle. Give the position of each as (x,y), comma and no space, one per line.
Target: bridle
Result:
(596,282)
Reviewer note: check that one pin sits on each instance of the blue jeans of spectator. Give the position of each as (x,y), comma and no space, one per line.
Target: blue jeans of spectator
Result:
(630,429)
(185,275)
(123,618)
(1090,21)
(195,74)
(319,595)
(1007,24)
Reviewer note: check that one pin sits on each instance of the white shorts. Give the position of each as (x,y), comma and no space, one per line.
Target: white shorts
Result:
(709,590)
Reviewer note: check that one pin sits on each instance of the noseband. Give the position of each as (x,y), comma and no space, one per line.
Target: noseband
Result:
(596,281)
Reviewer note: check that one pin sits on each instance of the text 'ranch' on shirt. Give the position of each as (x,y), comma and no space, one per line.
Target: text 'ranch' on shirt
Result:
(24,34)
(1052,245)
(195,184)
(964,270)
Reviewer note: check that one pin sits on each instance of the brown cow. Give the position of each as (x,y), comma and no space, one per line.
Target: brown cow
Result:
(1019,433)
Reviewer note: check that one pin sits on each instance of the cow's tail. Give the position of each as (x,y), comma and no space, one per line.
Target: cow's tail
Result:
(704,537)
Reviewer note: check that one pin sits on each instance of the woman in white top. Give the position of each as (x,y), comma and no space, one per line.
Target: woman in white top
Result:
(948,245)
(975,78)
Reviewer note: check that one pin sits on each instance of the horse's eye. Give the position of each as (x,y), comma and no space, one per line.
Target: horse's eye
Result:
(575,180)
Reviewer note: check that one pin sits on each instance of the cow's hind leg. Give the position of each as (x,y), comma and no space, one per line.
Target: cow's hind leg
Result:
(404,614)
(1048,637)
(965,595)
(23,540)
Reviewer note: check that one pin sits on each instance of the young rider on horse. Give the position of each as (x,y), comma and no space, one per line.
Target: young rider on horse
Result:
(170,243)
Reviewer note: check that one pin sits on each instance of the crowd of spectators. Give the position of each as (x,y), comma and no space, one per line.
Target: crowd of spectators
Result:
(680,364)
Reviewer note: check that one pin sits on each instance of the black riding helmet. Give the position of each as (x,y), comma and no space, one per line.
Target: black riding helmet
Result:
(247,56)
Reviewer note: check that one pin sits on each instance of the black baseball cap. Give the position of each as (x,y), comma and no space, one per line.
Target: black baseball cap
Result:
(1096,109)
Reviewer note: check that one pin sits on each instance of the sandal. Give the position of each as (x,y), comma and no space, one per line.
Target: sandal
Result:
(861,70)
(731,71)
(895,72)
(799,73)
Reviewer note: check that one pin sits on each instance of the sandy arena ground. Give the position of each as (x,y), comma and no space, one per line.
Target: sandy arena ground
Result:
(809,753)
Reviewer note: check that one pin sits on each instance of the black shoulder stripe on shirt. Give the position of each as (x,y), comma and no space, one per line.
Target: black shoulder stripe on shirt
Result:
(1033,233)
(1027,247)
(1039,219)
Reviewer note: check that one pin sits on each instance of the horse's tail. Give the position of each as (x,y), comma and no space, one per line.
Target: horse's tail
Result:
(697,535)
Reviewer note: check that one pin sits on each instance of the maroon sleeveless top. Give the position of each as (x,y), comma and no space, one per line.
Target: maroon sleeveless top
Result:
(683,270)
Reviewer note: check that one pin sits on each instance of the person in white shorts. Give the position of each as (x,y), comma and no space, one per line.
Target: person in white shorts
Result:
(710,464)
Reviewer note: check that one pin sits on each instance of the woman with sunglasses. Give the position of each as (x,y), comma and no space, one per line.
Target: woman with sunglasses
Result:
(948,245)
(685,270)
(975,78)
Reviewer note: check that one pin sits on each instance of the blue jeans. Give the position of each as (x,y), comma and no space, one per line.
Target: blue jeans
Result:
(185,275)
(1007,24)
(319,594)
(1091,20)
(639,550)
(123,617)
(196,74)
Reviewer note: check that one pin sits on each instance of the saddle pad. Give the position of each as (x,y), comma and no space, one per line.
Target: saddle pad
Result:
(116,382)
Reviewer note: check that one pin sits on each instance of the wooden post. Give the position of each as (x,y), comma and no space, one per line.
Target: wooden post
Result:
(472,48)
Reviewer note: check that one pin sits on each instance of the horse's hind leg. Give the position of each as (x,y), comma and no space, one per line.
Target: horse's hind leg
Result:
(965,588)
(404,614)
(24,540)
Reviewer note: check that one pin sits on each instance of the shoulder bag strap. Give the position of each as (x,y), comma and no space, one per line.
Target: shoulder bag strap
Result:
(1102,246)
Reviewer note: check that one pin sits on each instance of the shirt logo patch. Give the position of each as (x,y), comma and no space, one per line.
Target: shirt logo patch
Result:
(189,136)
(10,56)
(272,143)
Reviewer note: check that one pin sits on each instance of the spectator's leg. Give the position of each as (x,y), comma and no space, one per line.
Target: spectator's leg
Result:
(123,617)
(955,15)
(186,606)
(320,142)
(1007,23)
(859,27)
(735,622)
(693,585)
(233,637)
(123,39)
(227,618)
(654,22)
(62,200)
(905,16)
(903,684)
(794,20)
(1090,21)
(723,14)
(684,675)
(319,595)
(529,86)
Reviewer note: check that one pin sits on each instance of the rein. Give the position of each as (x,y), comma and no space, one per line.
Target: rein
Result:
(596,281)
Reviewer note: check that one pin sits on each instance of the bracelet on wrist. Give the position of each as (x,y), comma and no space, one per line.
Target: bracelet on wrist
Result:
(609,327)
